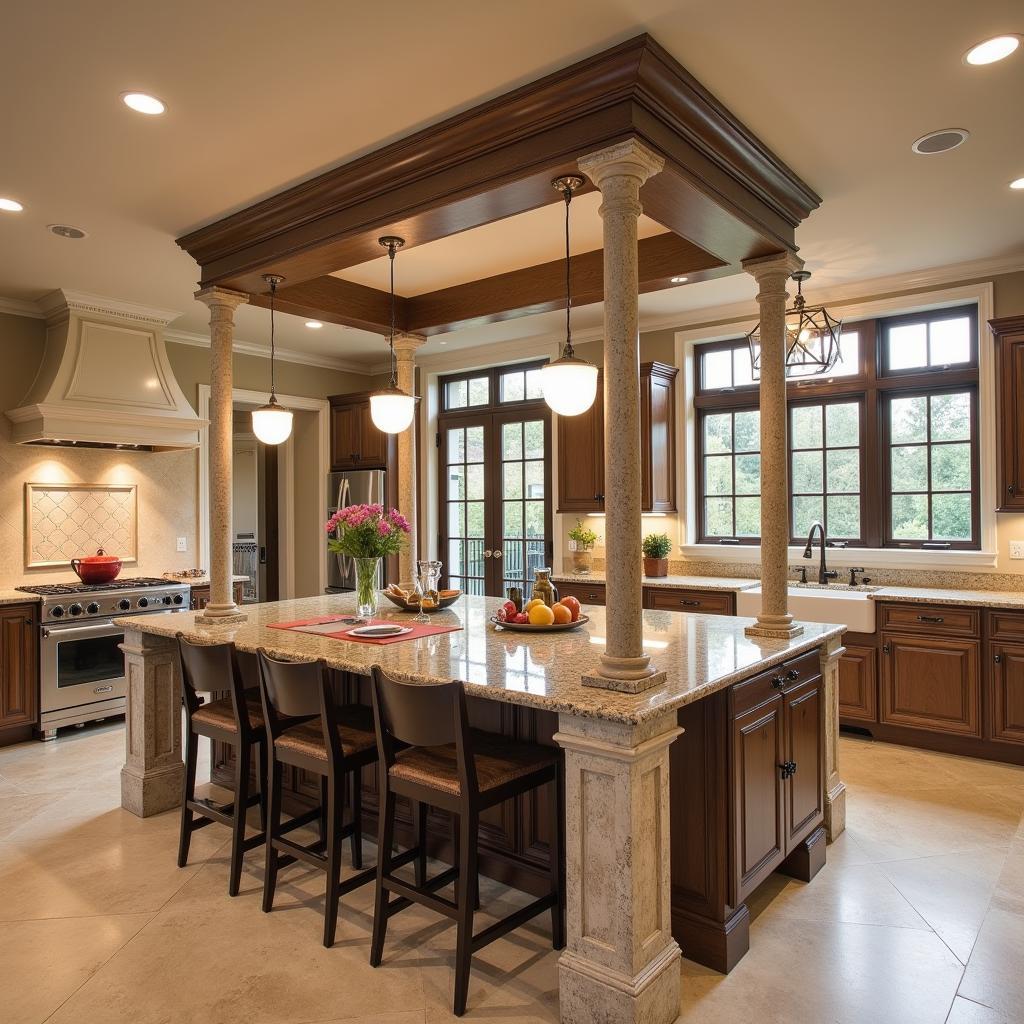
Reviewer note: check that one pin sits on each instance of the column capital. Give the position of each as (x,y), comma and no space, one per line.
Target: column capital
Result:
(409,344)
(779,264)
(213,296)
(628,158)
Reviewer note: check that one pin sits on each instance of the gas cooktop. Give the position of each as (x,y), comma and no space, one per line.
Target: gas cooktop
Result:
(60,589)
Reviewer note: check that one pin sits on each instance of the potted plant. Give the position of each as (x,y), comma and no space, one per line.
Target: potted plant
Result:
(656,547)
(581,543)
(366,534)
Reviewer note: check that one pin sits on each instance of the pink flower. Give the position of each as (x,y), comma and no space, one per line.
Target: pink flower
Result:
(398,520)
(383,529)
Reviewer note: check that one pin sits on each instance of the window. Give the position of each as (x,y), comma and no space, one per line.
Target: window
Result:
(883,451)
(498,386)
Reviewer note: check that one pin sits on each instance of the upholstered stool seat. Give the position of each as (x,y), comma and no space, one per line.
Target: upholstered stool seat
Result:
(221,713)
(307,739)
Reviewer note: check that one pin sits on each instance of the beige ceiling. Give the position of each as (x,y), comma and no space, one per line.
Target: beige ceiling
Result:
(256,102)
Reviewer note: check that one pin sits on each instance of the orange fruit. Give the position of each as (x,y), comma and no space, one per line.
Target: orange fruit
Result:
(532,604)
(561,613)
(541,615)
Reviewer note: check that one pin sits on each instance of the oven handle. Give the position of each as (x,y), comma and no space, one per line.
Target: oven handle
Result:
(81,632)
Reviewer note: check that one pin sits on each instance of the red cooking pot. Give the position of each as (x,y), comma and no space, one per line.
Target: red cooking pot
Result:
(98,568)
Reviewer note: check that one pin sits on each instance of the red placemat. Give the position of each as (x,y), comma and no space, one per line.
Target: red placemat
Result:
(418,629)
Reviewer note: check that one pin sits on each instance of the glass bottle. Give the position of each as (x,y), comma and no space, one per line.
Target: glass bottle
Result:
(543,587)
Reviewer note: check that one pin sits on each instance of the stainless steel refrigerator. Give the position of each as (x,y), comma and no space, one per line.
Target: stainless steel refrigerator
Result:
(355,487)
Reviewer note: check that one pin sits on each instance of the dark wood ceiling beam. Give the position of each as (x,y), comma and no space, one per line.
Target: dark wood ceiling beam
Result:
(339,302)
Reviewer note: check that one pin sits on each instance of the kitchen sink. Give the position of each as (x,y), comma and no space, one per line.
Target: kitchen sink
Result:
(813,602)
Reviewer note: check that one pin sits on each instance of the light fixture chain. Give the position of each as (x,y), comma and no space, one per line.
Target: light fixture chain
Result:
(273,292)
(568,279)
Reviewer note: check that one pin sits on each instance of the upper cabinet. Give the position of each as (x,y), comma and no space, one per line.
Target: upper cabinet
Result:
(356,443)
(1009,366)
(581,448)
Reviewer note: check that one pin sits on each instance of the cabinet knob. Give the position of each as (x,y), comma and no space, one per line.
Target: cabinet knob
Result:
(998,658)
(792,674)
(778,682)
(1010,489)
(886,649)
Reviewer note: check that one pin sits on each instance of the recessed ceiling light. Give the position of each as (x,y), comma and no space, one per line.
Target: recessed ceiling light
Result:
(11,205)
(66,231)
(991,50)
(143,103)
(314,325)
(1017,183)
(941,141)
(678,280)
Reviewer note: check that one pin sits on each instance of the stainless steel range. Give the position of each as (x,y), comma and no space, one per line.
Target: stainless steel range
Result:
(81,666)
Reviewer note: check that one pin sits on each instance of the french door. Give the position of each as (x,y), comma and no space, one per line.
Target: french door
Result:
(495,496)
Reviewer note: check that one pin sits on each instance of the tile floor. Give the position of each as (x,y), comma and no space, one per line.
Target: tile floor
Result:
(917,917)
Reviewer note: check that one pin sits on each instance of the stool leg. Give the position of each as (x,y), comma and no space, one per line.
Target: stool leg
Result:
(419,827)
(555,851)
(242,760)
(469,827)
(261,782)
(357,819)
(335,798)
(273,829)
(385,839)
(188,793)
(324,817)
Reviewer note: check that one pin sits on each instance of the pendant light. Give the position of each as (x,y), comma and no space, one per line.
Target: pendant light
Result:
(812,337)
(271,423)
(391,409)
(569,383)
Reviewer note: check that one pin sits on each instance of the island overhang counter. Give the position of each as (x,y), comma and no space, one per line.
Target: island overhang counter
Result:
(653,850)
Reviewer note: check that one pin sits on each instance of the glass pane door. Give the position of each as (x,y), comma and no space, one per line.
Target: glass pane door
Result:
(463,503)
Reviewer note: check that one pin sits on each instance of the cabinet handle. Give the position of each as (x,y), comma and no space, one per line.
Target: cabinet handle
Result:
(930,618)
(886,649)
(689,603)
(792,674)
(778,682)
(1010,489)
(998,658)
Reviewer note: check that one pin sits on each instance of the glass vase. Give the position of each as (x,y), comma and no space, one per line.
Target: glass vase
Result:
(367,570)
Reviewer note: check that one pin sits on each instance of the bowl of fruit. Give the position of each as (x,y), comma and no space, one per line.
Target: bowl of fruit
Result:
(537,617)
(409,601)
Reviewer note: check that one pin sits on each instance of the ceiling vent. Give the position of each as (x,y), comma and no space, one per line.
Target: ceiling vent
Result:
(941,141)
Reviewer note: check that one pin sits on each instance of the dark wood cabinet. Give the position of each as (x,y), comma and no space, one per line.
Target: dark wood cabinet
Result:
(581,448)
(200,596)
(19,671)
(858,683)
(356,443)
(704,602)
(1006,668)
(1008,333)
(804,784)
(585,593)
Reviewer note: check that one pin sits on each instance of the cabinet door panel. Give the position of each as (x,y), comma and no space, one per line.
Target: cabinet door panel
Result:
(658,439)
(704,602)
(758,830)
(804,748)
(373,442)
(1009,352)
(1007,668)
(858,684)
(931,684)
(345,421)
(581,460)
(18,671)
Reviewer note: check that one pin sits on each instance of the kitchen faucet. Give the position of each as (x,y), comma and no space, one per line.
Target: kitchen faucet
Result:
(824,573)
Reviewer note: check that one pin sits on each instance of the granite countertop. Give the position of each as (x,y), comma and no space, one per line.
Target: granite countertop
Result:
(198,581)
(930,595)
(710,583)
(17,597)
(700,653)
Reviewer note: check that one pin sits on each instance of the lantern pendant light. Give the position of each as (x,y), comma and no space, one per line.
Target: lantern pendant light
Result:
(271,423)
(569,383)
(391,409)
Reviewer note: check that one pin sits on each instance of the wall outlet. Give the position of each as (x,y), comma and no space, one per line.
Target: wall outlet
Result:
(1017,548)
(183,544)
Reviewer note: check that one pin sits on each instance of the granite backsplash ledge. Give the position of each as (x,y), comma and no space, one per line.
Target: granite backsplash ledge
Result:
(943,579)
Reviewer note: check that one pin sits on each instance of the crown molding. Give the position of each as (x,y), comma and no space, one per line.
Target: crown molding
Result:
(21,307)
(64,300)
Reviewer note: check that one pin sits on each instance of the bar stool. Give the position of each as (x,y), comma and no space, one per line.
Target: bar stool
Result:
(237,720)
(447,765)
(308,729)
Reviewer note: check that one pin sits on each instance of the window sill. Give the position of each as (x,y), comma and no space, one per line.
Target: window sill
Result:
(869,558)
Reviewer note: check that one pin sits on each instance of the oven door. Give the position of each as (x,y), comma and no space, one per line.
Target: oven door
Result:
(80,665)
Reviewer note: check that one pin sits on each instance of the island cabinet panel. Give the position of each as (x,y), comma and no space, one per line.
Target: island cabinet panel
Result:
(858,683)
(1008,334)
(19,671)
(705,602)
(805,753)
(1006,671)
(585,593)
(356,442)
(931,683)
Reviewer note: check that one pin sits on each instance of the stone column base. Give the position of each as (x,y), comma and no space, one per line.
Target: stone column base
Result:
(589,996)
(625,685)
(152,793)
(774,632)
(221,620)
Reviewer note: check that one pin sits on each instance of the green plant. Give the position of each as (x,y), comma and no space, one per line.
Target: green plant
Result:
(582,535)
(657,545)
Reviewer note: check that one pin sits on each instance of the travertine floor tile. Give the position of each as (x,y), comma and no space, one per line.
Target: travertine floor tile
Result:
(995,972)
(965,1012)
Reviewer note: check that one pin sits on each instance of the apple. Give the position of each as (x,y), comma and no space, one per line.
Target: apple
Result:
(573,605)
(510,609)
(501,615)
(521,618)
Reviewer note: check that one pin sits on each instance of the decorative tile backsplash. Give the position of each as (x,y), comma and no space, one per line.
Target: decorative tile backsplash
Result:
(69,520)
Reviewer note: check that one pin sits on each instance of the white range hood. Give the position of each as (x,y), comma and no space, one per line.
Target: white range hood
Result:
(105,380)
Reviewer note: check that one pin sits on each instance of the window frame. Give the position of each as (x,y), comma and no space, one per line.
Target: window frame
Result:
(493,375)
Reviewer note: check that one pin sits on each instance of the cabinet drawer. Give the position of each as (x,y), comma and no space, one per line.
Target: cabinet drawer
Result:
(780,679)
(703,601)
(1005,625)
(934,619)
(585,593)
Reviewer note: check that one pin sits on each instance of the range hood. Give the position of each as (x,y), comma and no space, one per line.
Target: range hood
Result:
(105,380)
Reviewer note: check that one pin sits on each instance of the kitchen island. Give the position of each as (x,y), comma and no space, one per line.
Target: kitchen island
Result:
(630,889)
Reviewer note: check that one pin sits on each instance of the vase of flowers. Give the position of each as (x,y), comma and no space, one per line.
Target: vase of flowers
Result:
(581,543)
(656,547)
(366,534)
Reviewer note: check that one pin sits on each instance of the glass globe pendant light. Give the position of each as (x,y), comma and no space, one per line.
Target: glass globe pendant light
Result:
(569,383)
(272,423)
(391,409)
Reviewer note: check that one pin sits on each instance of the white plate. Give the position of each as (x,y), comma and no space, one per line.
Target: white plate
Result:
(379,632)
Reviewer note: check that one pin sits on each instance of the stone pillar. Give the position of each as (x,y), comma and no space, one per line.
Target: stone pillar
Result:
(772,273)
(835,788)
(618,172)
(153,772)
(620,962)
(223,303)
(405,352)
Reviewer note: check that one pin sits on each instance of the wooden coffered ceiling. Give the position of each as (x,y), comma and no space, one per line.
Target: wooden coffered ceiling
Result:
(723,197)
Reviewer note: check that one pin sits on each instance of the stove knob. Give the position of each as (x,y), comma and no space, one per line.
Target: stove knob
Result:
(178,599)
(57,611)
(143,602)
(92,608)
(75,609)
(166,599)
(124,604)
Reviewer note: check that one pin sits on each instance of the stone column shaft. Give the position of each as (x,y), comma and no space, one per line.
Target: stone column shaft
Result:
(772,273)
(618,172)
(621,962)
(405,352)
(222,303)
